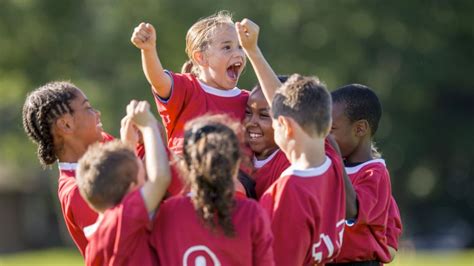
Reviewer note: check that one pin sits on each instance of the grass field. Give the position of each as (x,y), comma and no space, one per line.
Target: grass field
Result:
(71,257)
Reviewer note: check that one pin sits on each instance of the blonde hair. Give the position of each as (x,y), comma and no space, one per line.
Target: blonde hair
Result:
(199,36)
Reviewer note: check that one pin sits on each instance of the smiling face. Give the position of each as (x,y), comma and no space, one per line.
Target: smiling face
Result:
(223,60)
(87,125)
(258,126)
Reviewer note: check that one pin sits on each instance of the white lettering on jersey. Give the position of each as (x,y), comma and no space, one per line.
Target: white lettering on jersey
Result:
(200,260)
(317,249)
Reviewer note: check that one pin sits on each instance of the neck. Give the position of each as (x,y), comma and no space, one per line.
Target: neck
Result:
(71,152)
(307,152)
(266,153)
(362,153)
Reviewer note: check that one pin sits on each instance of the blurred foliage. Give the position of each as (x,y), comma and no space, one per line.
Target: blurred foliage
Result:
(417,55)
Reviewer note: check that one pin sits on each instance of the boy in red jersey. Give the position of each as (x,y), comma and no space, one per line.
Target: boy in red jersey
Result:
(112,181)
(212,225)
(307,203)
(208,84)
(310,196)
(59,118)
(269,161)
(356,115)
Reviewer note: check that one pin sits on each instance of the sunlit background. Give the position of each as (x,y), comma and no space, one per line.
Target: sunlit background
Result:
(417,55)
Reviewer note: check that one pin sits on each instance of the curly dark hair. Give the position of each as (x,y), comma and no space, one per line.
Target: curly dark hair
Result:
(42,108)
(211,158)
(360,102)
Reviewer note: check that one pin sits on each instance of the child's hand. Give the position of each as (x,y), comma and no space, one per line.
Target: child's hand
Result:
(140,114)
(247,31)
(129,134)
(144,36)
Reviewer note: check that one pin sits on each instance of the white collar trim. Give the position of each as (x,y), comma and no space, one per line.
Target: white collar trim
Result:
(260,163)
(310,172)
(91,229)
(355,169)
(218,92)
(67,166)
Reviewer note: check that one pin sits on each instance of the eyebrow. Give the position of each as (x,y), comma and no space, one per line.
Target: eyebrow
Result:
(85,101)
(226,42)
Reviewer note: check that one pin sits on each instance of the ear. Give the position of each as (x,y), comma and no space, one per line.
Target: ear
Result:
(288,125)
(64,124)
(200,58)
(361,128)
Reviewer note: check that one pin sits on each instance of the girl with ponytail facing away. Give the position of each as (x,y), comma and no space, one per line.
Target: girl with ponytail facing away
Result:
(210,224)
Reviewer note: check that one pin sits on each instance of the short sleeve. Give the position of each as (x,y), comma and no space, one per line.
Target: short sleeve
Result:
(181,93)
(373,192)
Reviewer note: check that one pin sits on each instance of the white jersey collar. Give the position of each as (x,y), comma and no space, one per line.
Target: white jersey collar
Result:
(260,163)
(67,166)
(355,169)
(310,172)
(218,92)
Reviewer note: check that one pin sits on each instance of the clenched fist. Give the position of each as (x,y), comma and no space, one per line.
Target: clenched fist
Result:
(144,36)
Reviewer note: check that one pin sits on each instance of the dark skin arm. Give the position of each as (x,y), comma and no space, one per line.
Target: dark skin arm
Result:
(351,197)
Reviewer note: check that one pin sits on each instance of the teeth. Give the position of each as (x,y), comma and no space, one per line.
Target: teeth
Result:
(237,64)
(99,125)
(254,135)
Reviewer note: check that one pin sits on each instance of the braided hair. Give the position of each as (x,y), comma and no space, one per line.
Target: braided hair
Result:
(211,155)
(42,108)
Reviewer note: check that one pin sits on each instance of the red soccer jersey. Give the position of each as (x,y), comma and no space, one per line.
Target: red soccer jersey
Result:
(394,225)
(120,236)
(180,237)
(307,212)
(366,239)
(269,170)
(190,99)
(76,212)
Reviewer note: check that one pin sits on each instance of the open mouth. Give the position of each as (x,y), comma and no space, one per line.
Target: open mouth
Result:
(254,136)
(234,70)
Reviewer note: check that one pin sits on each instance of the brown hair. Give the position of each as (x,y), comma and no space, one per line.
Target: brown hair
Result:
(105,172)
(41,109)
(211,154)
(307,101)
(199,37)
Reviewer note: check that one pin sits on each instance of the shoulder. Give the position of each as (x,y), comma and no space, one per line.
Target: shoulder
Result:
(376,166)
(106,137)
(179,78)
(174,203)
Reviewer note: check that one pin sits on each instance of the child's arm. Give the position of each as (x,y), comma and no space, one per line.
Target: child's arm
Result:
(248,37)
(157,166)
(128,132)
(144,38)
(351,196)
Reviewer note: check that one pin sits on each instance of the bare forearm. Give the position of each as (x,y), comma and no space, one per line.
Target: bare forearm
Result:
(351,196)
(155,74)
(266,76)
(157,168)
